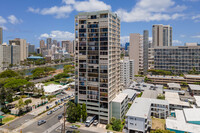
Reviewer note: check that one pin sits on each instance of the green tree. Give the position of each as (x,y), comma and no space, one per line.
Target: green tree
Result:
(27,102)
(71,112)
(8,74)
(78,112)
(116,125)
(84,112)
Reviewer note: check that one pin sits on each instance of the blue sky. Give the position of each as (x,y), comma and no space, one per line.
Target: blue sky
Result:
(37,19)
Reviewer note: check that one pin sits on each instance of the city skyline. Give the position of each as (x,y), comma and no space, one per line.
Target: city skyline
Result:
(35,20)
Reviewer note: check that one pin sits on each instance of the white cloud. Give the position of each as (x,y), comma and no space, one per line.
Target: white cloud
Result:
(70,5)
(14,20)
(58,35)
(37,10)
(196,18)
(2,20)
(58,12)
(176,42)
(148,10)
(91,5)
(124,39)
(69,1)
(197,36)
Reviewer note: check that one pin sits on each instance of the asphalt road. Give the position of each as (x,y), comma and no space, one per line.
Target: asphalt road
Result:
(51,120)
(18,122)
(57,130)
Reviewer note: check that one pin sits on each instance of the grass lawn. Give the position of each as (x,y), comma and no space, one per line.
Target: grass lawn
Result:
(51,82)
(158,123)
(8,118)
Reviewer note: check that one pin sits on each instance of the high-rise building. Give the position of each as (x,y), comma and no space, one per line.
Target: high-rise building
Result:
(162,35)
(68,46)
(145,51)
(1,35)
(15,54)
(42,44)
(97,57)
(5,56)
(136,52)
(55,42)
(49,43)
(23,47)
(31,48)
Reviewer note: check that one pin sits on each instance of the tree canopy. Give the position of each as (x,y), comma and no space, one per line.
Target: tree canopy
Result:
(8,74)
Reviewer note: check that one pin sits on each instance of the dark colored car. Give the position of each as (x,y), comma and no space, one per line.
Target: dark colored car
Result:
(59,117)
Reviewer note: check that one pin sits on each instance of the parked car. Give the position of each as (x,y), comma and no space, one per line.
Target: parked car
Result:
(74,127)
(55,109)
(50,112)
(95,123)
(59,117)
(40,122)
(60,106)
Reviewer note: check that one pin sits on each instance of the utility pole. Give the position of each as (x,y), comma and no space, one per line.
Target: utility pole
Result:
(64,118)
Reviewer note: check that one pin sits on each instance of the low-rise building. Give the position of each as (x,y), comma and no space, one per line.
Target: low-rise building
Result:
(52,89)
(139,115)
(164,79)
(131,94)
(173,86)
(120,105)
(194,89)
(186,120)
(175,102)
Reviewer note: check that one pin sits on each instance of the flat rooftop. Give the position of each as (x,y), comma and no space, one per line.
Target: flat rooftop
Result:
(145,86)
(173,98)
(120,97)
(130,92)
(194,87)
(192,76)
(139,108)
(197,98)
(52,88)
(165,77)
(180,124)
(173,85)
(192,114)
(150,94)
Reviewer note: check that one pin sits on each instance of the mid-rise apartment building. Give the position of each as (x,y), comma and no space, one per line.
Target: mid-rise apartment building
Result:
(97,36)
(126,72)
(120,106)
(178,59)
(162,35)
(136,51)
